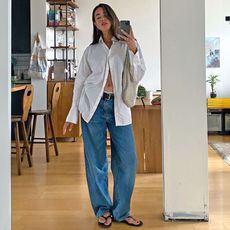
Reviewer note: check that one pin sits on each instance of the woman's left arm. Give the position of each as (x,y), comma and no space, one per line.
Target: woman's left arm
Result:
(137,63)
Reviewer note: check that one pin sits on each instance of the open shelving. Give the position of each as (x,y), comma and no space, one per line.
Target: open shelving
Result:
(61,19)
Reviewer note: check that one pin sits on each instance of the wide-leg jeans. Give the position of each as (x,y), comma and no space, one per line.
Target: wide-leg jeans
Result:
(123,162)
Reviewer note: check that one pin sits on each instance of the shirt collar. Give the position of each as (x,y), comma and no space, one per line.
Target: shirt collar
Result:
(114,39)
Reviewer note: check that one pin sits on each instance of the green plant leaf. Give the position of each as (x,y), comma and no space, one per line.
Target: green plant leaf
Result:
(141,92)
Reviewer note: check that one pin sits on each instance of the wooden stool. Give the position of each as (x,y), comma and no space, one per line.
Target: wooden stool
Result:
(20,119)
(47,123)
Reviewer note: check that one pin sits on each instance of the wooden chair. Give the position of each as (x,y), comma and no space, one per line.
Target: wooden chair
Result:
(21,119)
(47,122)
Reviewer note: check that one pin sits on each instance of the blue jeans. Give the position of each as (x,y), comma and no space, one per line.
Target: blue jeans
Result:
(123,162)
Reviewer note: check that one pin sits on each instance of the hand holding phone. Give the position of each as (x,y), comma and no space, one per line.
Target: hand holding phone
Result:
(126,35)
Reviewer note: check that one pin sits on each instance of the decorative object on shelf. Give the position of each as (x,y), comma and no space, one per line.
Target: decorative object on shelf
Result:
(212,80)
(156,100)
(156,97)
(53,16)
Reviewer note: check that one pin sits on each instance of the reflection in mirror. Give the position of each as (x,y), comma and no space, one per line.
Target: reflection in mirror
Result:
(145,22)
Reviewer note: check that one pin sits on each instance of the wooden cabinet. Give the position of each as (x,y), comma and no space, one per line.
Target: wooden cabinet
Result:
(60,113)
(147,133)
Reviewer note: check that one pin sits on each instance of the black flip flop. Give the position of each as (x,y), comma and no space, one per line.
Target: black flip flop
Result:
(132,224)
(104,225)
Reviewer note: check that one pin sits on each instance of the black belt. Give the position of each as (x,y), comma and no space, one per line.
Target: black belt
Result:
(108,96)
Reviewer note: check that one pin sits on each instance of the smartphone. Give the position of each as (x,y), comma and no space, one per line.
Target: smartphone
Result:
(125,25)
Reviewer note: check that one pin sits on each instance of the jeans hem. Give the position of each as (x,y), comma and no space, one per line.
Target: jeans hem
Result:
(101,213)
(121,218)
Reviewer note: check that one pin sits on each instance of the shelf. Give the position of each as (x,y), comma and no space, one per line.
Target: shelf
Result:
(68,80)
(61,60)
(62,47)
(63,27)
(61,17)
(69,3)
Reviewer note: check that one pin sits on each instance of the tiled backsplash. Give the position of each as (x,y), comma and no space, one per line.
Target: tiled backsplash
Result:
(21,65)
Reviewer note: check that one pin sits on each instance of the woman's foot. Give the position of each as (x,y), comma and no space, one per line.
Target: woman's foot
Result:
(132,221)
(105,221)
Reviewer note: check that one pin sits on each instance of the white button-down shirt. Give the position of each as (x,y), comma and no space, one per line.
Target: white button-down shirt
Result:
(92,75)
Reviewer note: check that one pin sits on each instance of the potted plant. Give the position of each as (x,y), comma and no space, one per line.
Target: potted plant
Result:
(141,91)
(212,80)
(141,94)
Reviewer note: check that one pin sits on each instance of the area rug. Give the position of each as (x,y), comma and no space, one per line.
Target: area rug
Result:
(223,149)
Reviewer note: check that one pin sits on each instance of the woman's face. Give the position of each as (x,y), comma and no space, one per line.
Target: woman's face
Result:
(101,21)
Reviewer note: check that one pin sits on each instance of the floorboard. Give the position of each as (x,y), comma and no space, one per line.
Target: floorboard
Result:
(54,195)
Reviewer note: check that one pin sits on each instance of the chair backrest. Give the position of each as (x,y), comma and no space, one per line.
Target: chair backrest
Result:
(27,101)
(55,95)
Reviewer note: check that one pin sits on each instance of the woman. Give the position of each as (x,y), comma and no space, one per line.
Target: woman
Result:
(97,95)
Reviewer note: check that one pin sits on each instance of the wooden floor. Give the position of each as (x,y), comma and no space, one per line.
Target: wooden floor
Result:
(54,196)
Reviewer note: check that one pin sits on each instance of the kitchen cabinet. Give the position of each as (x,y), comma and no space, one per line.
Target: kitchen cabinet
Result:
(147,134)
(60,113)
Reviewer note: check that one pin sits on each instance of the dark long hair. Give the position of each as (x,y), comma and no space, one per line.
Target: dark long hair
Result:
(110,14)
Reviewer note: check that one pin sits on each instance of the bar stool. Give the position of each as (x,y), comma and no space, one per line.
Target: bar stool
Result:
(47,123)
(17,120)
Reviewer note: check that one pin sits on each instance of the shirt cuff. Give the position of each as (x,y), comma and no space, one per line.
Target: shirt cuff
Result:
(72,116)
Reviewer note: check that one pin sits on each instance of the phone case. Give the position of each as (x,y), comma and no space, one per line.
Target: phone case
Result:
(125,25)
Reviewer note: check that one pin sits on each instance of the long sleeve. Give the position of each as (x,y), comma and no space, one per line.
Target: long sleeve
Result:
(83,72)
(137,64)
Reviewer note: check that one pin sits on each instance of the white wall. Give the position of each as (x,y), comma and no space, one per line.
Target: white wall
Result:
(184,109)
(216,26)
(144,17)
(5,81)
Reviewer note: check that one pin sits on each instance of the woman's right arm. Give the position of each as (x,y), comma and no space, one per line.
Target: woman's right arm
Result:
(83,72)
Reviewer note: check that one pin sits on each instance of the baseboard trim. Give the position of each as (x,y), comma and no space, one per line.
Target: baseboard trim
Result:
(182,216)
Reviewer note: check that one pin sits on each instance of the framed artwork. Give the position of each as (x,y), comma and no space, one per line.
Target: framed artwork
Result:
(212,52)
